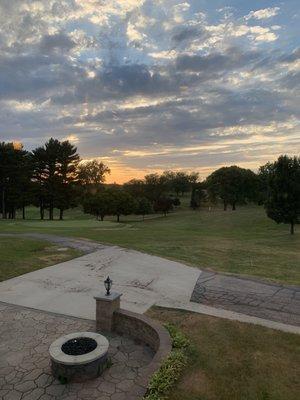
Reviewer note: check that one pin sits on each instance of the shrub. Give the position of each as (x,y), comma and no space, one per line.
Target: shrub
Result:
(170,371)
(179,340)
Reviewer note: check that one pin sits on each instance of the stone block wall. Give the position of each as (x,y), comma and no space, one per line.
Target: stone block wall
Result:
(109,317)
(149,332)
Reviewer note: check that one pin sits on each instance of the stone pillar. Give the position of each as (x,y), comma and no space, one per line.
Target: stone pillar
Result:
(105,308)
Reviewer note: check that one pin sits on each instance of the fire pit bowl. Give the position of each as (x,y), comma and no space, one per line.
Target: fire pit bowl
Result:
(79,356)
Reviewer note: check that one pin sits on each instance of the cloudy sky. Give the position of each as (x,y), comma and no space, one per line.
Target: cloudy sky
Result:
(149,85)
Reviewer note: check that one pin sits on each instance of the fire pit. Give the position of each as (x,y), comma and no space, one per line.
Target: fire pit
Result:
(79,356)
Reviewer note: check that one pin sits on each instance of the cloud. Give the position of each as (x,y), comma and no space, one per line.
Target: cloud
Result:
(264,13)
(189,33)
(150,84)
(233,58)
(56,42)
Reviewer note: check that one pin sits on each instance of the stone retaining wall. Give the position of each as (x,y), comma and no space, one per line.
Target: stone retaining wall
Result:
(149,332)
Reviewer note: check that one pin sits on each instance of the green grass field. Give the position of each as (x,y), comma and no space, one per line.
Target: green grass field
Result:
(242,242)
(232,360)
(19,256)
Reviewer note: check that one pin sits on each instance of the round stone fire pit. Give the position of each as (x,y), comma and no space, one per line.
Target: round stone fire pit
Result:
(79,356)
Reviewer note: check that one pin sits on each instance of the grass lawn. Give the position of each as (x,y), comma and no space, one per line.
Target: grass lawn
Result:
(242,242)
(19,256)
(234,361)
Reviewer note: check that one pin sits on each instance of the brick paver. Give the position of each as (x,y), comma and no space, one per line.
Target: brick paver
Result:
(25,366)
(249,296)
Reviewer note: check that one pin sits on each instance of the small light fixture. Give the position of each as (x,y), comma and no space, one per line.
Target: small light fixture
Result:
(108,284)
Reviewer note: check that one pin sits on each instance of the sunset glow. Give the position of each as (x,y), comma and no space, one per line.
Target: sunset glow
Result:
(147,86)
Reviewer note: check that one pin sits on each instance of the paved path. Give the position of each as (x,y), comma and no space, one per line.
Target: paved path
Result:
(146,280)
(25,365)
(69,287)
(251,297)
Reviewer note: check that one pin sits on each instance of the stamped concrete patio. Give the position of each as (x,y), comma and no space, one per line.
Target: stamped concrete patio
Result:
(25,366)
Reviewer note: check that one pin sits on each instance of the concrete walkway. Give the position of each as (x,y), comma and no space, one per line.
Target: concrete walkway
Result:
(69,287)
(145,280)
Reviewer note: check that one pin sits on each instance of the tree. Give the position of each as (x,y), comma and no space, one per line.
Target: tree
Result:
(122,203)
(144,207)
(197,195)
(164,205)
(92,174)
(51,178)
(232,185)
(21,190)
(99,204)
(39,180)
(55,176)
(156,186)
(15,175)
(135,187)
(68,160)
(181,182)
(283,198)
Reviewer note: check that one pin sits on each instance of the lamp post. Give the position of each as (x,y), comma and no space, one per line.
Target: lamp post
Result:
(108,284)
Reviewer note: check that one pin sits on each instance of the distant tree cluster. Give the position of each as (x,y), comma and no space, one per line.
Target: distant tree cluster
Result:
(277,186)
(113,201)
(53,177)
(233,185)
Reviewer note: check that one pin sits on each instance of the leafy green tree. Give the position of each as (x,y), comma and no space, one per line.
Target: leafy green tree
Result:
(99,204)
(233,185)
(122,203)
(135,187)
(143,207)
(164,205)
(181,182)
(92,174)
(197,195)
(283,198)
(156,186)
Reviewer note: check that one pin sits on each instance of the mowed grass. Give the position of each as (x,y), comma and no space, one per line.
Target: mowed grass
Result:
(230,360)
(19,256)
(243,242)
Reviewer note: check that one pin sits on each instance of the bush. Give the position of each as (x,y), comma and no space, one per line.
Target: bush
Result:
(179,340)
(170,371)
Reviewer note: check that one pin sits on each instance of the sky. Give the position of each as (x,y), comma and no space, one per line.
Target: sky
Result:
(151,85)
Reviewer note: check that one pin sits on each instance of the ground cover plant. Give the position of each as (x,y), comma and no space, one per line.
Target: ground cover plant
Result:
(170,371)
(233,360)
(19,256)
(243,242)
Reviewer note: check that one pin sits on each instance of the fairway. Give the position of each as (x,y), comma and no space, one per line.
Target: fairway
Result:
(241,242)
(232,360)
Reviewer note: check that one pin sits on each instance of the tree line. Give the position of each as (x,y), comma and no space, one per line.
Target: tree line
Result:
(53,176)
(49,177)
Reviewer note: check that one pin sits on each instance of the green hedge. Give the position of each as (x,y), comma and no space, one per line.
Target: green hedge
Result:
(170,371)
